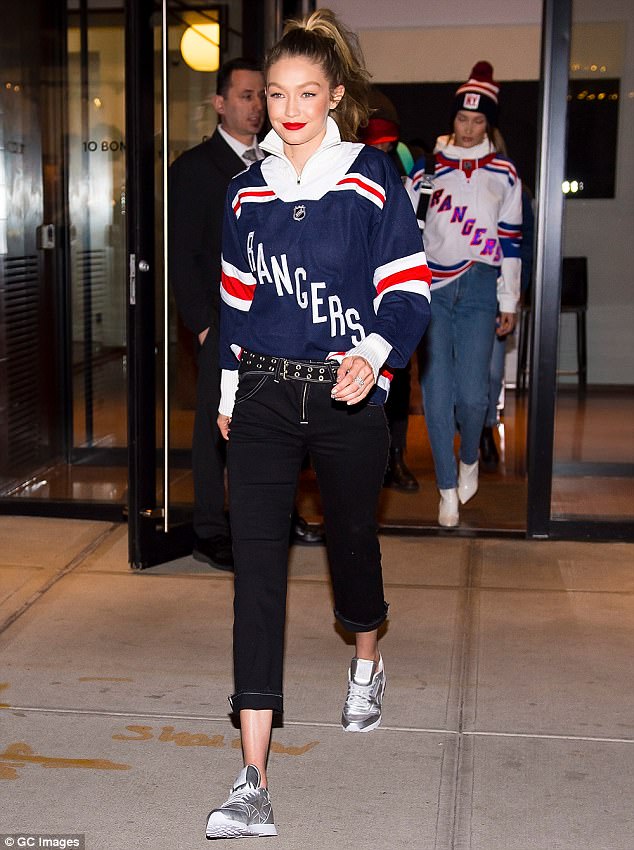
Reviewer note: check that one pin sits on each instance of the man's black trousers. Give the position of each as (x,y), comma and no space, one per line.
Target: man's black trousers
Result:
(208,450)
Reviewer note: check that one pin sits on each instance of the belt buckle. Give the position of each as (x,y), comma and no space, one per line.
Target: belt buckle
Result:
(284,372)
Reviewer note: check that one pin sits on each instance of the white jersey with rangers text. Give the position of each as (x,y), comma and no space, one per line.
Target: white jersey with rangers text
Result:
(474,216)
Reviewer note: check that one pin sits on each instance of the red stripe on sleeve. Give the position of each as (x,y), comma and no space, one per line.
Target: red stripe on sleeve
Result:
(417,273)
(236,288)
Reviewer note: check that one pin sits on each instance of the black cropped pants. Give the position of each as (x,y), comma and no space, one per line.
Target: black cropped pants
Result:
(274,424)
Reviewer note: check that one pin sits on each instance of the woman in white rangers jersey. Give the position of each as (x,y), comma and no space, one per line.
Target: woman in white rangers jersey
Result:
(472,241)
(324,288)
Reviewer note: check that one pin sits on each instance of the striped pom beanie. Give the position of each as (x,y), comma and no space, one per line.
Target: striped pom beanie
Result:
(479,93)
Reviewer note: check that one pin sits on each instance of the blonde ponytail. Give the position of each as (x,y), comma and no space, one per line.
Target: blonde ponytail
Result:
(322,38)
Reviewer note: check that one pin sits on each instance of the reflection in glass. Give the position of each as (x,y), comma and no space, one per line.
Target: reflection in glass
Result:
(29,204)
(593,475)
(96,152)
(191,120)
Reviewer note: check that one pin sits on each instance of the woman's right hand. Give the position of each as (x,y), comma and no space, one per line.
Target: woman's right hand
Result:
(224,423)
(506,324)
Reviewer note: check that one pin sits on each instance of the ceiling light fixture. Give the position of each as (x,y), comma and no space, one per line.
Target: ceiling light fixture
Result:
(200,46)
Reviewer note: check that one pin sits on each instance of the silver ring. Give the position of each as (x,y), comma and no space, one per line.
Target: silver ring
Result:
(359,380)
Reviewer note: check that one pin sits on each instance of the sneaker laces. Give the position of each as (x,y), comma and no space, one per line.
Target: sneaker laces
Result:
(360,696)
(243,794)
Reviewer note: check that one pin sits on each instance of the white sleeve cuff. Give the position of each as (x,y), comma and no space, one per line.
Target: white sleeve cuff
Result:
(228,388)
(508,285)
(374,349)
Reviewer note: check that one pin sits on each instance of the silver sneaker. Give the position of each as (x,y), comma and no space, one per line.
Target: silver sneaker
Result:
(247,812)
(366,684)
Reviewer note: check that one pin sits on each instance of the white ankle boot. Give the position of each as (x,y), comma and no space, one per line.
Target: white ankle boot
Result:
(467,481)
(448,508)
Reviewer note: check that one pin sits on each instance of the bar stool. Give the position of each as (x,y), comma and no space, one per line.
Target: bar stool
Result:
(574,299)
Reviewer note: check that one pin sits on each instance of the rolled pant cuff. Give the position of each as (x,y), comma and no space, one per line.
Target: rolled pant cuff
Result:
(257,701)
(351,626)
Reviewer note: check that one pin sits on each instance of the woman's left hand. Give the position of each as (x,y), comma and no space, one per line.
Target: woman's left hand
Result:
(506,323)
(355,379)
(224,424)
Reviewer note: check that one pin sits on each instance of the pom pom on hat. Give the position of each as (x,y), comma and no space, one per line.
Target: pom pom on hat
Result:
(479,93)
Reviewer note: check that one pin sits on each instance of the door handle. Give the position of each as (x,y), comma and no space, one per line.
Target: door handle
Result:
(45,237)
(143,266)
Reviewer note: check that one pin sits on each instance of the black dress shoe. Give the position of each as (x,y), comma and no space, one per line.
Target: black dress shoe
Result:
(215,551)
(488,450)
(303,534)
(397,475)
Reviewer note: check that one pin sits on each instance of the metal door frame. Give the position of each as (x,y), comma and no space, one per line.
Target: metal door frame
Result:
(151,540)
(556,37)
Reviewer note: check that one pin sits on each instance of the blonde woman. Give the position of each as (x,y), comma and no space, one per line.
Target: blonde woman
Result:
(324,287)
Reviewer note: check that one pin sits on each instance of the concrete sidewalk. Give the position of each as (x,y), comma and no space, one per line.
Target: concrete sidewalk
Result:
(507,721)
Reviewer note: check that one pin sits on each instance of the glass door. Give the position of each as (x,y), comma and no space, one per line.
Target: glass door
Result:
(150,537)
(168,110)
(593,470)
(62,258)
(97,207)
(32,235)
(581,447)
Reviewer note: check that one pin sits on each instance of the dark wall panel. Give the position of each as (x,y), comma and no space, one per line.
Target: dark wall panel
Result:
(424,110)
(592,126)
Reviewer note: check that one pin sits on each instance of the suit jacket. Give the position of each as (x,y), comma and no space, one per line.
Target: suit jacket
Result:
(198,182)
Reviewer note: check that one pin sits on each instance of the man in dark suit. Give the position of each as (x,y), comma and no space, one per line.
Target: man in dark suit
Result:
(198,184)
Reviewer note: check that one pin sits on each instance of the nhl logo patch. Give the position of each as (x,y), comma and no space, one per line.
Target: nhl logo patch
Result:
(471,100)
(299,212)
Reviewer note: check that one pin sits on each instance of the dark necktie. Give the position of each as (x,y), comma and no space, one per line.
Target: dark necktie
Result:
(250,155)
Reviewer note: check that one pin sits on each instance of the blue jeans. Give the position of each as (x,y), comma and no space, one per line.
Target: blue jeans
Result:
(454,367)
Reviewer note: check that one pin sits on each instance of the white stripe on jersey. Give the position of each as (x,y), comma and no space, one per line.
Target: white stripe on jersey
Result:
(232,301)
(384,383)
(247,278)
(418,287)
(252,195)
(399,265)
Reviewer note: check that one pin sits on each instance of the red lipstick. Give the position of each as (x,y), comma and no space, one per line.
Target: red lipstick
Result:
(291,126)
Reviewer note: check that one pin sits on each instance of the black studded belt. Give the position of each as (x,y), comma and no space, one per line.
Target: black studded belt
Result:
(312,371)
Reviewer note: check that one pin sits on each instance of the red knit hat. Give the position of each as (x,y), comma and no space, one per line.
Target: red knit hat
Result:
(479,93)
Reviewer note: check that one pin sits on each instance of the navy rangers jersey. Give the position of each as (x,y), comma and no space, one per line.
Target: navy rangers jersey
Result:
(312,266)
